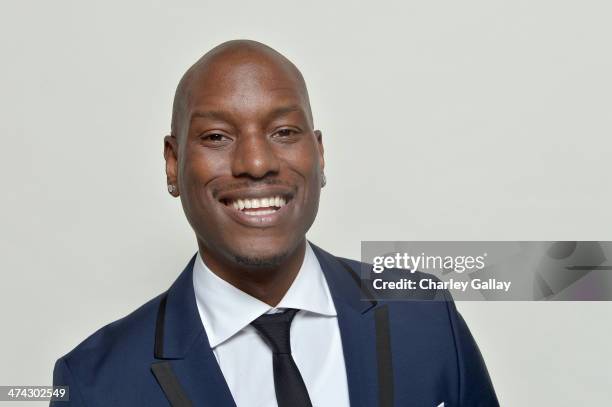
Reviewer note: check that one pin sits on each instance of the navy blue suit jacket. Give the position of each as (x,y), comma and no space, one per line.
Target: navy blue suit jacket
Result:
(397,353)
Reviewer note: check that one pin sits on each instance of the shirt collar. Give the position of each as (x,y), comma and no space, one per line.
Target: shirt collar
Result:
(225,310)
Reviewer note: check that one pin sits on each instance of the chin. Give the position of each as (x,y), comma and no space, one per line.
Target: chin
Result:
(262,253)
(260,261)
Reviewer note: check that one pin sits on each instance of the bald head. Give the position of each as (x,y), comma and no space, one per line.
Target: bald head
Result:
(242,129)
(240,65)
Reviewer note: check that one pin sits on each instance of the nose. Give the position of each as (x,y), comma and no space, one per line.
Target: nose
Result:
(254,157)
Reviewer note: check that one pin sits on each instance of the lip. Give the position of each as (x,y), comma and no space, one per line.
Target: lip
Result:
(256,193)
(258,221)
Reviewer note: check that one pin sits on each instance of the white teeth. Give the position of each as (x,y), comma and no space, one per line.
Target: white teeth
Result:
(254,203)
(260,213)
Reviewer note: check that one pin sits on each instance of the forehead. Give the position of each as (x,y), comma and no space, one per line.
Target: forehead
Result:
(242,85)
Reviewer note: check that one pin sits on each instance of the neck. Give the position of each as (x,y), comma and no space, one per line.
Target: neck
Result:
(267,284)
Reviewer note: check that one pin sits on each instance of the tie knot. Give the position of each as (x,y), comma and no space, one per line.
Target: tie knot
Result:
(275,329)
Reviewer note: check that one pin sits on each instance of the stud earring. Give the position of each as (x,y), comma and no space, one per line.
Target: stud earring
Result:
(323,180)
(171,188)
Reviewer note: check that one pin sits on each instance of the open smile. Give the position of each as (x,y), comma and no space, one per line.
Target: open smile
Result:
(257,209)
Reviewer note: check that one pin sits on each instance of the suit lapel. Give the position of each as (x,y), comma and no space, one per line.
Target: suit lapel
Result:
(364,330)
(186,368)
(189,375)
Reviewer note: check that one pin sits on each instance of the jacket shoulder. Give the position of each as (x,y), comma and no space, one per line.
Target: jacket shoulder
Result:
(439,338)
(127,340)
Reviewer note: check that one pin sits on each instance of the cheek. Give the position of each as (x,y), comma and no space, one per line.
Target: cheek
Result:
(200,166)
(198,171)
(305,163)
(312,170)
(305,160)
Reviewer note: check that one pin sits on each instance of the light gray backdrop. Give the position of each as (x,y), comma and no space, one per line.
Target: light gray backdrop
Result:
(442,120)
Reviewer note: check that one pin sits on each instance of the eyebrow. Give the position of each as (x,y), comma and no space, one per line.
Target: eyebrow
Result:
(284,110)
(226,117)
(210,114)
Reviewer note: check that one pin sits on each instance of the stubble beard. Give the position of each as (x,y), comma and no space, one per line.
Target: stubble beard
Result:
(261,262)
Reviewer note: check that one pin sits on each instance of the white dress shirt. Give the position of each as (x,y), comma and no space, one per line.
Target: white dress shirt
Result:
(246,359)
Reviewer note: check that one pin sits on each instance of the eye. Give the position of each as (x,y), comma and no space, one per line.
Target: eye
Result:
(286,134)
(215,139)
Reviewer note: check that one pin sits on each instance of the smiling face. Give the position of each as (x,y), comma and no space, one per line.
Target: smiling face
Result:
(244,156)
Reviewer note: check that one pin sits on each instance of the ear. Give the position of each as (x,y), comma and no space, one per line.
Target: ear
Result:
(171,156)
(319,137)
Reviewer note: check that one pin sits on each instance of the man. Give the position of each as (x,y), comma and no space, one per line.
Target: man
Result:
(260,316)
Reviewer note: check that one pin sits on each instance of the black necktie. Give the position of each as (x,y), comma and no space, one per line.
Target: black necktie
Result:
(288,383)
